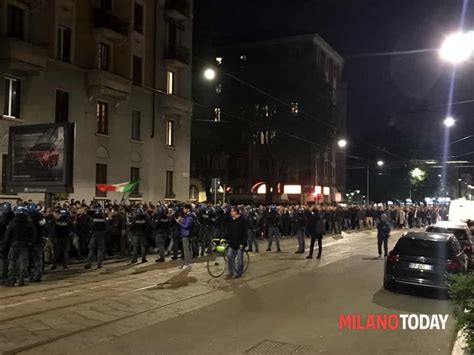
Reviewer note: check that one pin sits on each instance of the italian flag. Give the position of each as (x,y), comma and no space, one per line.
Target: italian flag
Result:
(123,187)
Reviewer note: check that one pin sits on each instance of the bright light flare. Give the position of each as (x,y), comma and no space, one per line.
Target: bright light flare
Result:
(457,47)
(342,143)
(449,122)
(210,74)
(380,163)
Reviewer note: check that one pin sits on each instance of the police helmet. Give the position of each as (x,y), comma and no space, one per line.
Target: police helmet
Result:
(98,212)
(301,210)
(5,207)
(273,207)
(21,210)
(33,209)
(63,213)
(139,212)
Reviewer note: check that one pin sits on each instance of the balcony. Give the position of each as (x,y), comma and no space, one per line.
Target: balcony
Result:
(23,56)
(104,83)
(177,10)
(177,57)
(110,26)
(174,106)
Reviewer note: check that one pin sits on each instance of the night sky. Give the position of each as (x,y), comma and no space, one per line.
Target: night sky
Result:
(394,102)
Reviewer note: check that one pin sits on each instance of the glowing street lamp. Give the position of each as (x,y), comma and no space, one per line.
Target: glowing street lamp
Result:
(457,47)
(449,122)
(342,143)
(209,74)
(380,163)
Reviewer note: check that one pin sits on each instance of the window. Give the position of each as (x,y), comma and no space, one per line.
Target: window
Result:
(136,125)
(170,133)
(62,106)
(12,97)
(169,184)
(15,22)
(138,17)
(219,88)
(104,56)
(64,44)
(100,178)
(295,108)
(217,114)
(135,176)
(193,193)
(106,4)
(102,117)
(137,70)
(170,77)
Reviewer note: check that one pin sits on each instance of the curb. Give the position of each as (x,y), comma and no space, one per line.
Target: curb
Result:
(460,344)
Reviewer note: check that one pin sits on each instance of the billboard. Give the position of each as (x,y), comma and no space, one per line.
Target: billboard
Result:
(41,158)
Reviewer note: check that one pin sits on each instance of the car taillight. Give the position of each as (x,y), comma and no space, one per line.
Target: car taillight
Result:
(453,265)
(393,258)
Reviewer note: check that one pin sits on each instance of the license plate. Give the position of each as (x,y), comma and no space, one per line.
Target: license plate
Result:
(420,266)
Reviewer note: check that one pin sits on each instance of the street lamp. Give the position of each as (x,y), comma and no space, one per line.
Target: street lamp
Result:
(457,47)
(380,163)
(342,143)
(449,122)
(209,74)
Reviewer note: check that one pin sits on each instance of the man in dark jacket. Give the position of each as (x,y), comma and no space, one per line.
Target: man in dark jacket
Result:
(383,233)
(301,221)
(139,229)
(6,216)
(160,227)
(19,238)
(273,223)
(63,230)
(36,251)
(316,231)
(83,231)
(237,239)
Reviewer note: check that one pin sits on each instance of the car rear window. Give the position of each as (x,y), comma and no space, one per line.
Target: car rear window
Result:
(460,234)
(426,248)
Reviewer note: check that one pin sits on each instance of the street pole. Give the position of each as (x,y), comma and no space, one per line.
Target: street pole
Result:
(215,192)
(368,185)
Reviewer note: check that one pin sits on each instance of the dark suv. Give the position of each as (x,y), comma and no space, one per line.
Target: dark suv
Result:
(461,231)
(424,259)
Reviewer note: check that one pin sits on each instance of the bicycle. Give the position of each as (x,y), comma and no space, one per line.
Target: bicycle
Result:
(217,262)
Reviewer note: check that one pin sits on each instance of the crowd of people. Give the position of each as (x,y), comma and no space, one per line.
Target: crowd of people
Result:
(32,235)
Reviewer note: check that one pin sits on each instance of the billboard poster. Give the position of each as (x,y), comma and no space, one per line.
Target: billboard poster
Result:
(41,158)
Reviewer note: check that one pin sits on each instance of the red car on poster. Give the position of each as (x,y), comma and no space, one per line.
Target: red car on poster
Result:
(46,154)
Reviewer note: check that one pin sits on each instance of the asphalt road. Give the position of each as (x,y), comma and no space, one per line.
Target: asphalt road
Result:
(285,304)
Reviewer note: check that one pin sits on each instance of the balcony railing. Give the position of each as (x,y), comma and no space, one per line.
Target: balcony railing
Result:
(179,54)
(106,19)
(178,6)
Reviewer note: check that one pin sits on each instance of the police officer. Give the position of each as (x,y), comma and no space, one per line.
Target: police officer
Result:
(252,228)
(6,215)
(383,233)
(36,252)
(175,231)
(301,221)
(99,229)
(63,230)
(139,229)
(19,237)
(160,226)
(273,222)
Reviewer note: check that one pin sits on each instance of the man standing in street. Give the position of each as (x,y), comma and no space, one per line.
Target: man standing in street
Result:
(186,225)
(383,233)
(237,239)
(316,231)
(273,223)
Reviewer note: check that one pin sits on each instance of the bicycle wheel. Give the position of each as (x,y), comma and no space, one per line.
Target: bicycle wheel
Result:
(246,258)
(216,264)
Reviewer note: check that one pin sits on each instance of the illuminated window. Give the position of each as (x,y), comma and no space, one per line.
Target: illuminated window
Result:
(170,79)
(103,56)
(102,117)
(12,97)
(170,133)
(219,60)
(217,114)
(295,109)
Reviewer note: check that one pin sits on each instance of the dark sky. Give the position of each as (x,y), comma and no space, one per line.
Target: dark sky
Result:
(397,102)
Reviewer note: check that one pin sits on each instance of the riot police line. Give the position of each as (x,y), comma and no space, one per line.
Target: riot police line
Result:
(32,236)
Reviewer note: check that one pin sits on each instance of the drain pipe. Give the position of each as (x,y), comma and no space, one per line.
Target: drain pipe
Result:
(153,115)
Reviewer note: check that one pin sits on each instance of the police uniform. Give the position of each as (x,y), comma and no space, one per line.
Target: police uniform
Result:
(99,229)
(273,222)
(160,226)
(6,215)
(252,228)
(19,237)
(37,248)
(63,230)
(139,229)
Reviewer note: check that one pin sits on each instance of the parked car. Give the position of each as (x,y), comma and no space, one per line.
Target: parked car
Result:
(46,154)
(461,231)
(424,259)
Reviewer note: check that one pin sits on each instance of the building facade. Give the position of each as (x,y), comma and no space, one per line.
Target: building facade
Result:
(121,71)
(275,113)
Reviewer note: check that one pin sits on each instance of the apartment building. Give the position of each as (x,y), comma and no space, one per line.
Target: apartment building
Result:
(121,71)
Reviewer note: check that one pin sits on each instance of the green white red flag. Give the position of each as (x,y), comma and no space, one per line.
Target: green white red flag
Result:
(123,187)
